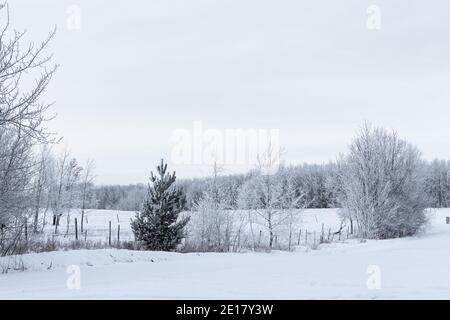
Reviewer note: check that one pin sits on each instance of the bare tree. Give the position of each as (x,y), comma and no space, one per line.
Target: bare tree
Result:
(19,63)
(87,181)
(270,194)
(71,188)
(58,188)
(41,185)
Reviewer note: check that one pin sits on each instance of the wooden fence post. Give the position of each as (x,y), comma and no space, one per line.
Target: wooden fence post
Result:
(290,238)
(76,229)
(306,237)
(118,234)
(1,235)
(238,240)
(322,236)
(109,237)
(259,239)
(26,234)
(299,236)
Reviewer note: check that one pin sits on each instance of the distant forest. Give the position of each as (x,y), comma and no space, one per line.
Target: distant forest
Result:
(316,181)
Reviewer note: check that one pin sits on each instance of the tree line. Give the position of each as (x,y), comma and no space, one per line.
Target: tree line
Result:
(316,181)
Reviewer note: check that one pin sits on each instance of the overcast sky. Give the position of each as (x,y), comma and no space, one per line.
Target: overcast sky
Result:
(136,71)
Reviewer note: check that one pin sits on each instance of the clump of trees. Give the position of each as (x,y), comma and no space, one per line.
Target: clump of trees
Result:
(437,183)
(33,181)
(382,185)
(119,197)
(23,115)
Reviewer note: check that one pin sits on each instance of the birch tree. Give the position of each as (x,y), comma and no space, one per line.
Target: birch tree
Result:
(42,186)
(212,223)
(87,182)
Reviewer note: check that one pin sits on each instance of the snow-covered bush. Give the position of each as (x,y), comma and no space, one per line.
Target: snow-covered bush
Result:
(213,225)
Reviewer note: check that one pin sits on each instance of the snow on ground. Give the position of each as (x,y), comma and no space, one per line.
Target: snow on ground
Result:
(410,268)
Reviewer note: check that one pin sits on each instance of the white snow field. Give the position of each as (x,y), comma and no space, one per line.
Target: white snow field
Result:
(409,268)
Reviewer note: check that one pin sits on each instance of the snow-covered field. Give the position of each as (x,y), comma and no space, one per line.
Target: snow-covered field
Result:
(409,268)
(97,224)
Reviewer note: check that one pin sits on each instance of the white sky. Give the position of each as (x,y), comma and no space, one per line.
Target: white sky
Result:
(138,70)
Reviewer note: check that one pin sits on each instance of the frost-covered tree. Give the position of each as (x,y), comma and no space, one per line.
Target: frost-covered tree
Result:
(16,177)
(312,180)
(381,184)
(437,183)
(272,202)
(66,176)
(212,224)
(87,181)
(158,225)
(42,187)
(270,198)
(292,200)
(25,72)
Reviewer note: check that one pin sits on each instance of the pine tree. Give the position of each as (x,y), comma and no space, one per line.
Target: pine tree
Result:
(157,226)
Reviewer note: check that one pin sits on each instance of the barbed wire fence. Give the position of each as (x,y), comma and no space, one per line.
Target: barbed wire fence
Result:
(20,238)
(113,233)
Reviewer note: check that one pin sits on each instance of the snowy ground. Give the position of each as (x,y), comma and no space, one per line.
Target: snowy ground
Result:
(408,268)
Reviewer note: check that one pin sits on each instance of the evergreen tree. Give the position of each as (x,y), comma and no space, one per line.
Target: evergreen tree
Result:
(157,225)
